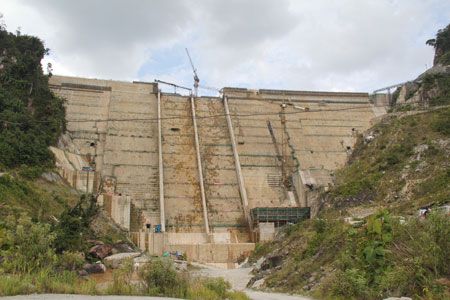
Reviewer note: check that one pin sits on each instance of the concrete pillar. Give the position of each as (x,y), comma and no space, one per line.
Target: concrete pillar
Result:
(388,95)
(199,163)
(237,163)
(161,171)
(126,212)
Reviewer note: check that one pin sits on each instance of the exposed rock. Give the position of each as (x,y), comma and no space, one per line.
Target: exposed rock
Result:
(443,145)
(94,242)
(82,273)
(140,260)
(254,279)
(52,177)
(115,260)
(258,283)
(122,247)
(96,268)
(421,166)
(259,263)
(436,69)
(65,142)
(420,148)
(100,251)
(271,262)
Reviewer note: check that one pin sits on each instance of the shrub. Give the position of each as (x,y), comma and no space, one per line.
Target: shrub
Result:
(351,283)
(218,285)
(160,278)
(71,260)
(73,225)
(31,245)
(213,289)
(441,122)
(261,249)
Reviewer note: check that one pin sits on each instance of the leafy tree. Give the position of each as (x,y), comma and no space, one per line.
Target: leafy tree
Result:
(31,116)
(73,225)
(441,45)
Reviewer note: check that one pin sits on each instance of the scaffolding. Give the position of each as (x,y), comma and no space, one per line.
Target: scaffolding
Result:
(279,215)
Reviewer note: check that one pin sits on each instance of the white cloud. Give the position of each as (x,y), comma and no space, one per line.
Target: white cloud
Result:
(312,45)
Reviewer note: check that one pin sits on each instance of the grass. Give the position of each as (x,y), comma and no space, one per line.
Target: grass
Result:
(260,250)
(158,278)
(46,281)
(374,171)
(410,259)
(37,197)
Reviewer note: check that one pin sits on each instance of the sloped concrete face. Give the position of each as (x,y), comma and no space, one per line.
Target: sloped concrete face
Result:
(115,126)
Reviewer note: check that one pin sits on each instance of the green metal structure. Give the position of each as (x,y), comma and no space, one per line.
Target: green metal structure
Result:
(279,215)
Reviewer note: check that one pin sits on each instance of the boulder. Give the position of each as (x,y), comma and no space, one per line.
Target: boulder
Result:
(82,273)
(255,279)
(94,268)
(258,283)
(121,247)
(271,261)
(140,260)
(114,261)
(94,242)
(100,251)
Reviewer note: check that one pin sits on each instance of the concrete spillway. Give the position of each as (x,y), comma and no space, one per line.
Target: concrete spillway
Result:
(214,169)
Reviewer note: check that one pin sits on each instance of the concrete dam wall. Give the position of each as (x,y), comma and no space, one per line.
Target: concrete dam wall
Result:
(187,165)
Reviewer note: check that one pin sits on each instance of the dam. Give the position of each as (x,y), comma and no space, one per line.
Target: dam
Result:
(189,174)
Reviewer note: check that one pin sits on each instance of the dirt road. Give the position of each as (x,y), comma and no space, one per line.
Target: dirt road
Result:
(239,278)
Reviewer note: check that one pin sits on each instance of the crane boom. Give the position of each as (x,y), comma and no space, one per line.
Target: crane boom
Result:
(190,60)
(196,79)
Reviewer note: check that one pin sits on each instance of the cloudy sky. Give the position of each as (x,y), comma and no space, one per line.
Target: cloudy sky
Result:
(345,45)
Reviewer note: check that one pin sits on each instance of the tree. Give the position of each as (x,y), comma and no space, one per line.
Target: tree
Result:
(441,45)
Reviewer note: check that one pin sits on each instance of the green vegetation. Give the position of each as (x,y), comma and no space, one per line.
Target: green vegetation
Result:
(441,45)
(402,167)
(378,170)
(32,117)
(381,259)
(437,82)
(159,278)
(440,122)
(73,225)
(261,249)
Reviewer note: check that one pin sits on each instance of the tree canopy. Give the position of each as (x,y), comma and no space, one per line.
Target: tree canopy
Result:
(31,116)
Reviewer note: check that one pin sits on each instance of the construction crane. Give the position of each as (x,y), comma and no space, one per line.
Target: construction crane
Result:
(211,88)
(196,79)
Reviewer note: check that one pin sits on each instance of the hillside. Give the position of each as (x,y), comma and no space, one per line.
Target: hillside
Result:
(46,227)
(368,241)
(32,118)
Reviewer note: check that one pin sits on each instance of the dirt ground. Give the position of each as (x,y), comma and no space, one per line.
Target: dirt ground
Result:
(239,278)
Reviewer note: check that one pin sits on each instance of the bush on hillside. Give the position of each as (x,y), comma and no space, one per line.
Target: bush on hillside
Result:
(160,278)
(73,225)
